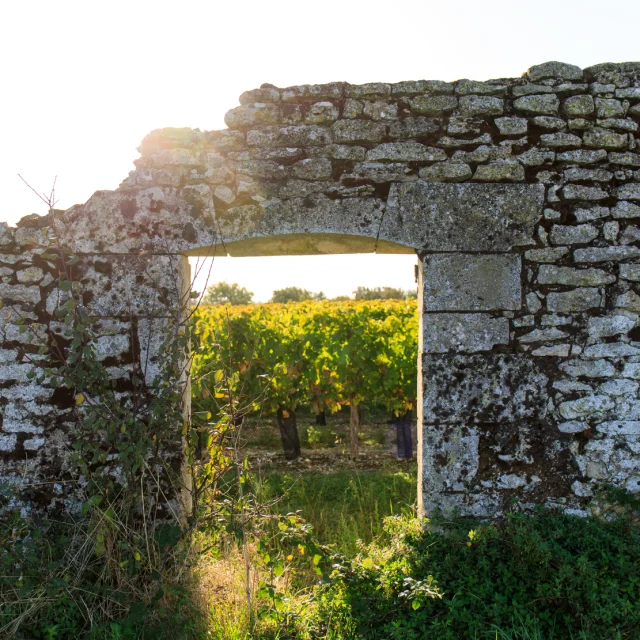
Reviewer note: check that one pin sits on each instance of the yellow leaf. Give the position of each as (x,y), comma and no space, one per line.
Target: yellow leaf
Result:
(80,398)
(285,413)
(137,556)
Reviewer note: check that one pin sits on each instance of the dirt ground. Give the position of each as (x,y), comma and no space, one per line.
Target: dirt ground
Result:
(325,448)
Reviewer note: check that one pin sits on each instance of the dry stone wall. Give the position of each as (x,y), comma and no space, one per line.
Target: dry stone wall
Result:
(521,198)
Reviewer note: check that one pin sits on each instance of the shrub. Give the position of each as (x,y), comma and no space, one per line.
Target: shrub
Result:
(551,575)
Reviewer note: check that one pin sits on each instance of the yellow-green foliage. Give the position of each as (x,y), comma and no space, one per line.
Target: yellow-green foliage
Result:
(322,354)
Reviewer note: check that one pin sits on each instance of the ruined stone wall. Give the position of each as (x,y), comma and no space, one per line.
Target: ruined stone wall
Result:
(520,197)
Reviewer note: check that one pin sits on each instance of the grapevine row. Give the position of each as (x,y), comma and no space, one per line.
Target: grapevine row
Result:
(319,354)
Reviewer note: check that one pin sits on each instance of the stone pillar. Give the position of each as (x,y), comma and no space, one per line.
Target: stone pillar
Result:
(472,385)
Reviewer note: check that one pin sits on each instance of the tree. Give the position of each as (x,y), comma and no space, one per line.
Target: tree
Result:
(379,293)
(225,293)
(295,294)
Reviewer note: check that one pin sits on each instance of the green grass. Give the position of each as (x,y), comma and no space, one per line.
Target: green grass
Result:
(346,506)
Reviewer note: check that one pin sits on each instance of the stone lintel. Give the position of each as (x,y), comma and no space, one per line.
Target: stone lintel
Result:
(433,216)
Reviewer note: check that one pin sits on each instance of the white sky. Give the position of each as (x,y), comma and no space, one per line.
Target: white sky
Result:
(83,82)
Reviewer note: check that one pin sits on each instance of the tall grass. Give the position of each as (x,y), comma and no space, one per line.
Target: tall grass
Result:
(346,506)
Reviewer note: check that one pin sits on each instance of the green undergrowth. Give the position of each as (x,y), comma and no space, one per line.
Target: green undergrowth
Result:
(547,576)
(347,506)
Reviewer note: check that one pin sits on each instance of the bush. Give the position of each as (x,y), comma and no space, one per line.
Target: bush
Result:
(548,575)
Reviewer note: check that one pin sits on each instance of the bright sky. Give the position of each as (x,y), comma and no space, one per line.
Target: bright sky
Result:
(83,82)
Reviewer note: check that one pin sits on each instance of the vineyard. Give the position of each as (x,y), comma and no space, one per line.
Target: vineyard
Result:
(314,355)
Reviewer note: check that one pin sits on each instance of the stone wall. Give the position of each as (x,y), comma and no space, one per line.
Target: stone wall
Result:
(520,197)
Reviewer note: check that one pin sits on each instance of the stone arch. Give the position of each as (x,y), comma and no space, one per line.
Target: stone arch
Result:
(519,198)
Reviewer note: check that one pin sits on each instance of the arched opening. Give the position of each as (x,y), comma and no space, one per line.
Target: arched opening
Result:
(355,337)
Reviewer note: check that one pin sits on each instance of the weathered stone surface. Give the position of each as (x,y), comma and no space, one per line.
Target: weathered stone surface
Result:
(582,156)
(314,92)
(555,351)
(322,113)
(481,105)
(463,332)
(253,115)
(604,139)
(588,368)
(552,254)
(549,122)
(535,158)
(551,274)
(382,111)
(543,335)
(499,172)
(576,300)
(629,301)
(416,87)
(463,282)
(630,272)
(578,106)
(611,350)
(579,192)
(512,126)
(560,140)
(433,105)
(19,293)
(446,172)
(591,175)
(600,327)
(358,131)
(462,217)
(263,94)
(544,104)
(468,87)
(629,191)
(625,209)
(554,69)
(406,151)
(313,169)
(382,172)
(579,234)
(625,159)
(450,457)
(472,389)
(605,254)
(585,407)
(294,136)
(592,213)
(414,127)
(369,90)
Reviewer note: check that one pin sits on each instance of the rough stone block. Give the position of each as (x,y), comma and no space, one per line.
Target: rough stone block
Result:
(463,332)
(406,152)
(450,457)
(481,106)
(358,131)
(462,217)
(550,274)
(446,172)
(464,282)
(473,389)
(544,104)
(433,105)
(576,300)
(555,69)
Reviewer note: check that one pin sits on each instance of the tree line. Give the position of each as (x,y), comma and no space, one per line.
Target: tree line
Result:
(234,294)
